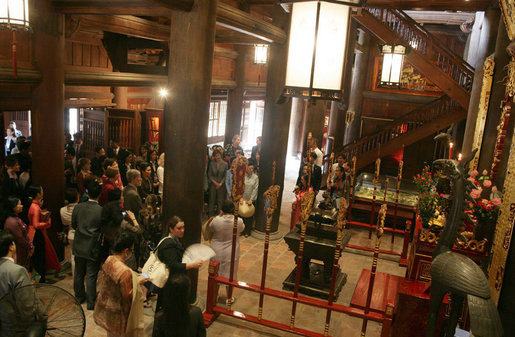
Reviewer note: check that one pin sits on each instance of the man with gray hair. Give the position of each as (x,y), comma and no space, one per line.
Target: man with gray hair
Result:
(131,198)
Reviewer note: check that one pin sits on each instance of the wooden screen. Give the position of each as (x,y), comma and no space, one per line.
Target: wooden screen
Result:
(121,125)
(93,129)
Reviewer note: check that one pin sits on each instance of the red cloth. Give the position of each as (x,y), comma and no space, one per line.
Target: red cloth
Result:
(107,185)
(35,223)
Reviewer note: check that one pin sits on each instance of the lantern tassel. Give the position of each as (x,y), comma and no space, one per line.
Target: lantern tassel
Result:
(15,67)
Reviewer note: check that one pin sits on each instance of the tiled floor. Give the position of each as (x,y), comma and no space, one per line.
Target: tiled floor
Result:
(280,264)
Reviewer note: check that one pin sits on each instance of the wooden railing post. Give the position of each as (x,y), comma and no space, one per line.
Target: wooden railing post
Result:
(388,318)
(404,254)
(212,293)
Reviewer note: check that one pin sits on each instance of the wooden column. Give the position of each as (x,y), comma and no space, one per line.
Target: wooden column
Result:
(357,86)
(186,117)
(235,97)
(314,123)
(298,109)
(501,58)
(334,115)
(120,97)
(276,121)
(487,42)
(48,110)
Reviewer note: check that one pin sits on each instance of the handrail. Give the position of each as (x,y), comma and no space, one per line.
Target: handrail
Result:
(426,44)
(401,125)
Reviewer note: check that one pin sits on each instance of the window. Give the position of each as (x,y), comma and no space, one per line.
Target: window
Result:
(251,123)
(217,116)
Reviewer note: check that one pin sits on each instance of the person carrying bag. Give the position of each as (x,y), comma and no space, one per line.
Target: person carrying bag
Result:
(155,269)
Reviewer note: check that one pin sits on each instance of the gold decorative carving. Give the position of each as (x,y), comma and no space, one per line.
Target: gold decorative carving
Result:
(306,204)
(486,87)
(239,167)
(503,229)
(472,245)
(508,14)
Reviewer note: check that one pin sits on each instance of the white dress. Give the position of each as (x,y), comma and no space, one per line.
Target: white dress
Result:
(221,242)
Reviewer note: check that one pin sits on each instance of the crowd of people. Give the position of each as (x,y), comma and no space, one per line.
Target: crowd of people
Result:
(112,221)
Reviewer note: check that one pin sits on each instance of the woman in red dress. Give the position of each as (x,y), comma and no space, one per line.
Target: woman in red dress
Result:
(44,256)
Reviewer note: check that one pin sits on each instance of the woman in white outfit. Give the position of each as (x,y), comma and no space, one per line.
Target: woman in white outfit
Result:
(221,240)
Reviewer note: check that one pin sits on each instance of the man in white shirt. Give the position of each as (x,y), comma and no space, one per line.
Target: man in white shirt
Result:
(320,156)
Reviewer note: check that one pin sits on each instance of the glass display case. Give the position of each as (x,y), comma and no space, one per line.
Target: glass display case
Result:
(364,188)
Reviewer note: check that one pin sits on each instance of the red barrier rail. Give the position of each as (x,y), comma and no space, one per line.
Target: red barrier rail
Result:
(212,310)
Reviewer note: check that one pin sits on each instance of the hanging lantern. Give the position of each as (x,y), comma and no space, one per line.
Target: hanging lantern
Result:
(317,46)
(260,53)
(14,15)
(393,56)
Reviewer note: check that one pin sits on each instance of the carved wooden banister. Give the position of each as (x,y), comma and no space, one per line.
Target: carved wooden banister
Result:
(401,125)
(413,34)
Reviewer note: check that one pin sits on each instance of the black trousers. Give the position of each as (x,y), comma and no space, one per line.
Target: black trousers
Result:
(88,269)
(248,225)
(39,258)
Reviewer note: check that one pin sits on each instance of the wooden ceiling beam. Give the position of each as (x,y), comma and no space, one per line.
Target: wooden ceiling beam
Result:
(121,7)
(125,24)
(234,37)
(240,21)
(437,5)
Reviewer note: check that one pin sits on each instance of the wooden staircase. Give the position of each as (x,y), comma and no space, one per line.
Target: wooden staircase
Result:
(442,66)
(405,130)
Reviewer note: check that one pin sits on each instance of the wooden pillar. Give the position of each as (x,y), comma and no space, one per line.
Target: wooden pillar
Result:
(186,117)
(48,110)
(330,145)
(501,58)
(357,86)
(276,122)
(298,109)
(120,97)
(314,123)
(487,41)
(235,97)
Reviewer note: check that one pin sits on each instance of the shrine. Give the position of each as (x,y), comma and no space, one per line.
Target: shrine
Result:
(347,168)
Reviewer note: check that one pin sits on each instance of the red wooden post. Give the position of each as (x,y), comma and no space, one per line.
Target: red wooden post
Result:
(341,224)
(212,293)
(387,321)
(404,254)
(239,169)
(380,230)
(270,197)
(399,177)
(306,204)
(351,194)
(372,207)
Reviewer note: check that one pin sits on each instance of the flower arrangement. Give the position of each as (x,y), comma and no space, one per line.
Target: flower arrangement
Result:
(482,211)
(429,202)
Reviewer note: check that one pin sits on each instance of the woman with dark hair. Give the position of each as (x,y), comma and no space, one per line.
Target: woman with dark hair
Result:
(300,189)
(115,219)
(13,223)
(216,176)
(119,305)
(152,160)
(125,164)
(221,241)
(178,318)
(147,186)
(10,182)
(170,251)
(44,256)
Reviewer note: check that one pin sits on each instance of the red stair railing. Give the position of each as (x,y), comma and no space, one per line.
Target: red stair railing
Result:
(405,123)
(426,44)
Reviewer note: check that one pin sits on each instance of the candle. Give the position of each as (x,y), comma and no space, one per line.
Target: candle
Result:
(459,156)
(451,145)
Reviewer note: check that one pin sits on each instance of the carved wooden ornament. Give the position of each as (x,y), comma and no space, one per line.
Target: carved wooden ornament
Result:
(238,169)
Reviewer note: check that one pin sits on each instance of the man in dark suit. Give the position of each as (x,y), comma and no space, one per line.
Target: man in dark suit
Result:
(131,199)
(87,222)
(70,167)
(97,161)
(316,173)
(77,145)
(114,150)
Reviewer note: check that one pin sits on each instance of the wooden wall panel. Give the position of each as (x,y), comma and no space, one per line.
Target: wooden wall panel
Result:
(86,56)
(379,108)
(223,68)
(23,48)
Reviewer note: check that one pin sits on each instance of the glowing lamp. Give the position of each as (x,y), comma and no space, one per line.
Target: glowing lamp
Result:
(316,50)
(14,14)
(393,56)
(163,92)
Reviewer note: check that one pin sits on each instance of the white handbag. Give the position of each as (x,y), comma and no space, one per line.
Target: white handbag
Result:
(156,270)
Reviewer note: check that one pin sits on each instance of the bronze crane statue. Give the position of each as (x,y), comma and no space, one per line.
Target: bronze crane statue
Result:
(457,274)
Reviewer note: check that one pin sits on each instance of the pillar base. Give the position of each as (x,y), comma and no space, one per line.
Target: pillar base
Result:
(274,236)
